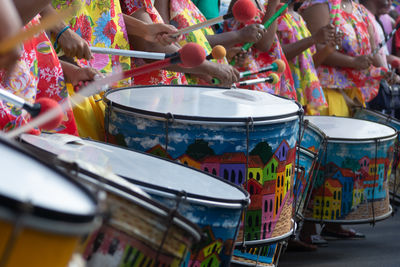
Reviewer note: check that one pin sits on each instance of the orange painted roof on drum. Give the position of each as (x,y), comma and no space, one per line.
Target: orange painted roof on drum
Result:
(320,192)
(255,162)
(211,159)
(346,172)
(333,182)
(379,161)
(159,150)
(291,154)
(233,158)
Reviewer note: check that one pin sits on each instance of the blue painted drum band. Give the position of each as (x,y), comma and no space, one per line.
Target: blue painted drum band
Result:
(245,137)
(352,176)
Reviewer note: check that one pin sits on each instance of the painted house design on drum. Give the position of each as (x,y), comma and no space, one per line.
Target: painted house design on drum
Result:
(344,189)
(269,183)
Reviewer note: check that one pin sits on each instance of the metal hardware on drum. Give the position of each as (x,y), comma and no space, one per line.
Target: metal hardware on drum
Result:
(352,183)
(212,130)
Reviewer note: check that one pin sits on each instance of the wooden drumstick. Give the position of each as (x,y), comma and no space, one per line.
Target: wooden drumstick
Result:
(45,24)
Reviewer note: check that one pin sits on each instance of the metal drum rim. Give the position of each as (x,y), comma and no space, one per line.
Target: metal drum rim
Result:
(269,241)
(16,206)
(388,119)
(306,151)
(359,221)
(198,119)
(131,196)
(361,140)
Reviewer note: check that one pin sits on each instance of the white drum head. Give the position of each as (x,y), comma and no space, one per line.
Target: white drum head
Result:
(204,102)
(349,128)
(142,167)
(26,180)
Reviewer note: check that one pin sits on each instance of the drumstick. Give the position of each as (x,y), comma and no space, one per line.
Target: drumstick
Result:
(45,23)
(387,38)
(41,106)
(242,11)
(278,66)
(272,79)
(270,21)
(334,14)
(190,55)
(218,52)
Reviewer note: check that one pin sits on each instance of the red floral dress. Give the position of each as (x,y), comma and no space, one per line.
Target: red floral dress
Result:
(257,60)
(38,74)
(158,76)
(355,42)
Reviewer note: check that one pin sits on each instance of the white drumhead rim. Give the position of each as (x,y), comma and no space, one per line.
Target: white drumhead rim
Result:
(331,139)
(194,119)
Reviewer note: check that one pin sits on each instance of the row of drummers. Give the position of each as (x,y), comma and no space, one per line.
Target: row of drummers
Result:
(255,166)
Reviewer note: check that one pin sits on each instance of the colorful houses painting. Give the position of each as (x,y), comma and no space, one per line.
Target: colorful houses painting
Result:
(269,182)
(344,189)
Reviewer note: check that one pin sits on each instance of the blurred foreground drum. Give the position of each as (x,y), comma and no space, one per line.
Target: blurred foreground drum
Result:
(137,231)
(352,177)
(212,203)
(245,137)
(43,213)
(370,115)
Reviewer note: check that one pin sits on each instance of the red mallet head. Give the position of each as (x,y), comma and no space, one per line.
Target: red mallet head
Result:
(192,55)
(244,10)
(47,104)
(281,65)
(396,64)
(218,52)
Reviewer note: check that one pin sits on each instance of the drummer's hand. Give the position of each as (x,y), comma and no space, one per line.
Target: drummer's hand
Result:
(237,54)
(9,59)
(251,33)
(362,62)
(160,33)
(226,74)
(77,76)
(74,46)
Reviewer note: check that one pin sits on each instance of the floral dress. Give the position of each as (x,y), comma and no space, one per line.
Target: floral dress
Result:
(355,42)
(158,76)
(101,24)
(38,74)
(309,92)
(183,13)
(256,60)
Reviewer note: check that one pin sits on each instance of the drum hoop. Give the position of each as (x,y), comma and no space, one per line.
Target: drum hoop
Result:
(17,206)
(359,221)
(245,201)
(314,127)
(360,140)
(145,202)
(388,118)
(269,241)
(306,152)
(198,119)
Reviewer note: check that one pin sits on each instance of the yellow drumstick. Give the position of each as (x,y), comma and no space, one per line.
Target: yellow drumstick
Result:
(46,23)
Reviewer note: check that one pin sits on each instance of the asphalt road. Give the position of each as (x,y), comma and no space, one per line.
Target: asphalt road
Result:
(381,248)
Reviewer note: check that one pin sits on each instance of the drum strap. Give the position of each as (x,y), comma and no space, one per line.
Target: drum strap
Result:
(168,118)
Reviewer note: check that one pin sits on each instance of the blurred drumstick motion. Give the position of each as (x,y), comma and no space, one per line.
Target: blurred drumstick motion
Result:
(41,106)
(242,11)
(387,38)
(272,79)
(277,66)
(190,55)
(45,24)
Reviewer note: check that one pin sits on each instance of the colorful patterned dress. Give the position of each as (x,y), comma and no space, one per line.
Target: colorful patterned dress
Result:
(38,74)
(257,60)
(355,42)
(101,24)
(309,92)
(158,76)
(183,13)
